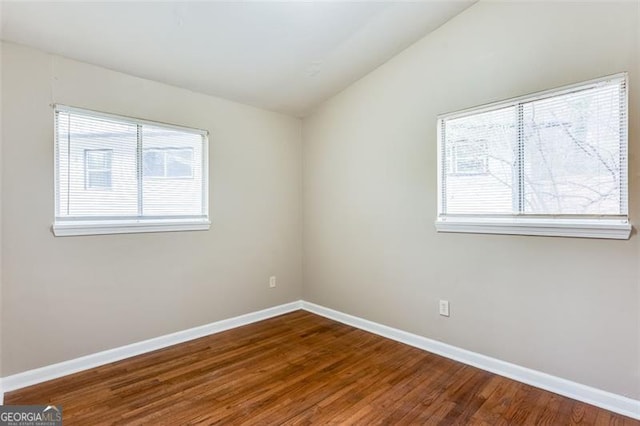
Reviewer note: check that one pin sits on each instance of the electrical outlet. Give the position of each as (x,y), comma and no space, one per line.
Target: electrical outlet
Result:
(272,281)
(444,308)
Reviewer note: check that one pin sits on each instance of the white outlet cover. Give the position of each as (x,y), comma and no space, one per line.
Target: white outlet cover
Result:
(444,308)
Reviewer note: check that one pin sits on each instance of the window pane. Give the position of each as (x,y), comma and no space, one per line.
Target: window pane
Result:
(470,158)
(572,153)
(88,147)
(153,163)
(180,163)
(182,156)
(98,180)
(98,168)
(99,159)
(479,156)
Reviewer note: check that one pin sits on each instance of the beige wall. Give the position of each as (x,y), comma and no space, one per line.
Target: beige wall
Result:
(569,307)
(70,296)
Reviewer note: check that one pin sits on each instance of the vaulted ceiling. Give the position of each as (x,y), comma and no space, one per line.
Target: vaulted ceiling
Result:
(286,57)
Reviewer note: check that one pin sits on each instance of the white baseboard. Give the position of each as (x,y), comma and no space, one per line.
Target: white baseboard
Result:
(603,399)
(607,400)
(49,372)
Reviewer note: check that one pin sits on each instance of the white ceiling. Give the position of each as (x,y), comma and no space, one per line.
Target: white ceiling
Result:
(286,57)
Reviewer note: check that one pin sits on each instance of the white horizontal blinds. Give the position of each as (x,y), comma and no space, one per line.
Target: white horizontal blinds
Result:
(575,152)
(96,167)
(172,172)
(556,153)
(110,169)
(477,162)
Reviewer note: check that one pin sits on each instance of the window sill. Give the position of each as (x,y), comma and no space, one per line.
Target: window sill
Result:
(591,228)
(73,228)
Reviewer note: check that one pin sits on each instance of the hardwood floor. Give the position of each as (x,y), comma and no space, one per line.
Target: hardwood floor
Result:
(300,368)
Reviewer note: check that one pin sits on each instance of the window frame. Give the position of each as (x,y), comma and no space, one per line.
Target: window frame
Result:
(584,226)
(130,224)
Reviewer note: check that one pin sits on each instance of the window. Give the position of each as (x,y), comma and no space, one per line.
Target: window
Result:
(97,168)
(552,163)
(117,174)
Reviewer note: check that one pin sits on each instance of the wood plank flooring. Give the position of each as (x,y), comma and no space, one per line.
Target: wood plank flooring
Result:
(299,369)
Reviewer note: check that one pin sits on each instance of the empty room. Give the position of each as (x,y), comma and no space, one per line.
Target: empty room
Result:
(324,212)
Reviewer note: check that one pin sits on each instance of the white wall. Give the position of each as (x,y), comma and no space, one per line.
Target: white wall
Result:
(69,296)
(569,307)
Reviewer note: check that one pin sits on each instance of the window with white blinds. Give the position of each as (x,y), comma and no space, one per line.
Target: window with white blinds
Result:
(118,174)
(551,163)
